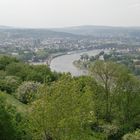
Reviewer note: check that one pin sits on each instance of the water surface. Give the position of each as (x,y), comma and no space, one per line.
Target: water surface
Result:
(64,63)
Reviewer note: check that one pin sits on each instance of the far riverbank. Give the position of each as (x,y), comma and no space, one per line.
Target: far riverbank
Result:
(64,63)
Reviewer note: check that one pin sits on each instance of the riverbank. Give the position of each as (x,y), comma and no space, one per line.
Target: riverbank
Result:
(55,55)
(65,63)
(48,61)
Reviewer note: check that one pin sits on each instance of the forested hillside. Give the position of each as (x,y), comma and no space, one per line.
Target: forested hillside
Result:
(38,104)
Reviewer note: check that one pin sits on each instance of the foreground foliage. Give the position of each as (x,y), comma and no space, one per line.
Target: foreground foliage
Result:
(65,112)
(132,136)
(37,104)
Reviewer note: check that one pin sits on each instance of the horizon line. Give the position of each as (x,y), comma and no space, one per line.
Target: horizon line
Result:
(67,26)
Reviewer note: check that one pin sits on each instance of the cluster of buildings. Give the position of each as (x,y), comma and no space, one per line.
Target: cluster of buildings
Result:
(31,47)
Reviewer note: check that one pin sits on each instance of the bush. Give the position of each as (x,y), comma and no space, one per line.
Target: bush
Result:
(26,92)
(132,136)
(9,84)
(8,127)
(6,60)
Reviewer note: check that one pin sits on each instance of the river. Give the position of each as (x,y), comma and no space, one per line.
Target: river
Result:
(64,63)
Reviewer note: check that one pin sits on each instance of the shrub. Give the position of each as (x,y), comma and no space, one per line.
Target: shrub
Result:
(27,91)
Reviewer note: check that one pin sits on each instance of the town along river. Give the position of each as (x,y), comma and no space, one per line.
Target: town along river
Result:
(64,63)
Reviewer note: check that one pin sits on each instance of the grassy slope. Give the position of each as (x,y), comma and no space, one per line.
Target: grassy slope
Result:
(14,102)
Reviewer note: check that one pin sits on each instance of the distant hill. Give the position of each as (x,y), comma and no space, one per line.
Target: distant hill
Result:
(72,32)
(90,30)
(5,27)
(34,33)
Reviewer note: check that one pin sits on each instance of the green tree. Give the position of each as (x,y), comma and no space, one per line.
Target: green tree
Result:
(127,101)
(18,69)
(105,74)
(132,136)
(8,121)
(64,112)
(6,60)
(40,73)
(9,84)
(27,91)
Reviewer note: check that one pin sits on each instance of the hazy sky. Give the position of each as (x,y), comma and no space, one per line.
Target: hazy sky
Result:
(58,13)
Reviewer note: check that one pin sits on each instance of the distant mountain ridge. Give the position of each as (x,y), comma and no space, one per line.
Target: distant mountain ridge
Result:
(91,30)
(75,31)
(5,27)
(34,33)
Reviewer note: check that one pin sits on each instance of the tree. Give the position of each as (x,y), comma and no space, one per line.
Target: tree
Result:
(6,60)
(132,136)
(27,91)
(40,73)
(120,95)
(9,84)
(127,100)
(18,69)
(8,123)
(101,53)
(92,58)
(42,55)
(84,57)
(107,56)
(106,73)
(64,112)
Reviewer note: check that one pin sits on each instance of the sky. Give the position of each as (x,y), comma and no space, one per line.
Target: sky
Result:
(63,13)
